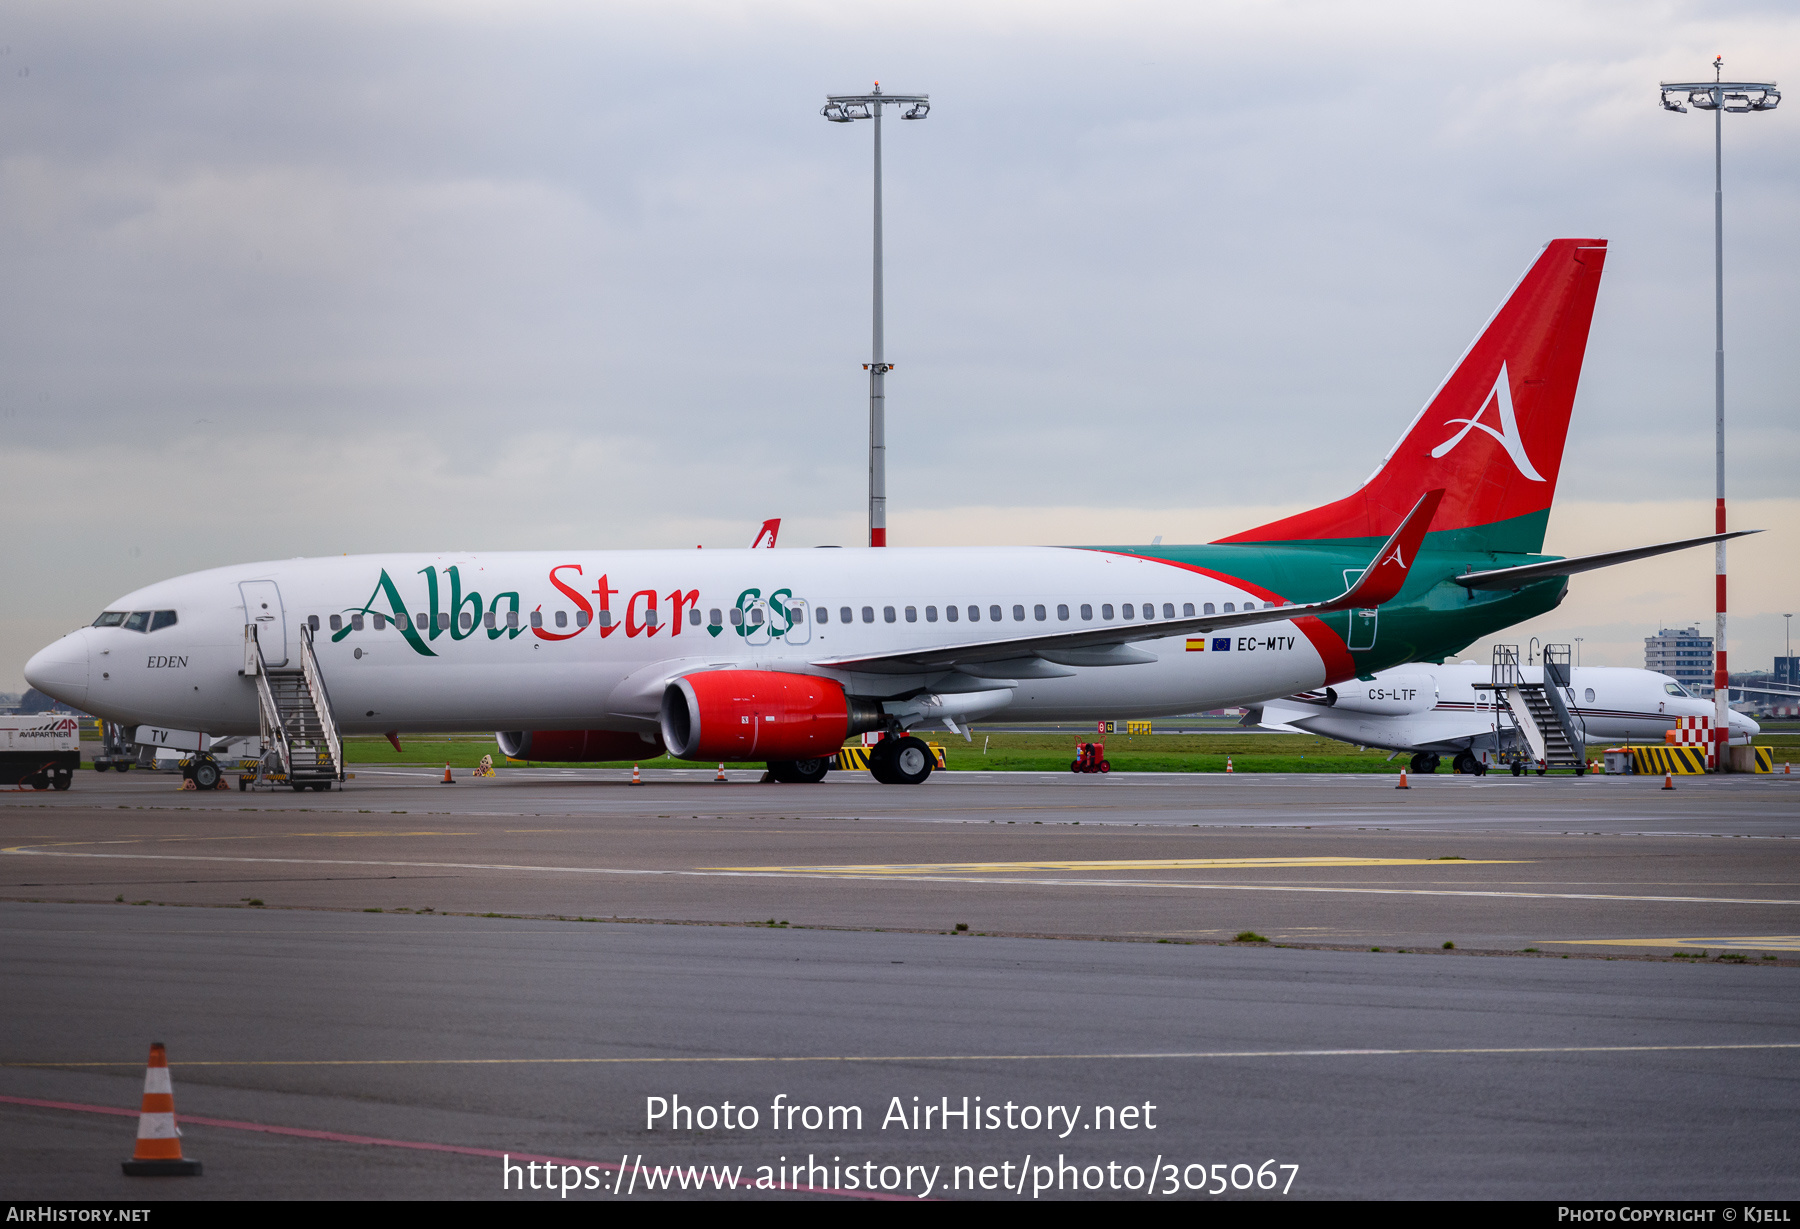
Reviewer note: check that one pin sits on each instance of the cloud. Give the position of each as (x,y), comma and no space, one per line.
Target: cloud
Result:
(600,273)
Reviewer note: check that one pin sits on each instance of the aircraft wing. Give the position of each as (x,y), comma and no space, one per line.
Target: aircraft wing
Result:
(1107,646)
(1513,578)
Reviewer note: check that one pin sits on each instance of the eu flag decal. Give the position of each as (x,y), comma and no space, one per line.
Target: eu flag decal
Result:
(1221,644)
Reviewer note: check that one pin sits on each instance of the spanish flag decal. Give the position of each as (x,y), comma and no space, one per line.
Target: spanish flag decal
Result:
(1197,645)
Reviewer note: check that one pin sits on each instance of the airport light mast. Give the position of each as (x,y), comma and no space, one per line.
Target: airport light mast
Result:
(1719,96)
(843,109)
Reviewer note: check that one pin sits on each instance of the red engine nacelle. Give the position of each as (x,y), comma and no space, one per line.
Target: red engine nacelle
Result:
(577,746)
(760,715)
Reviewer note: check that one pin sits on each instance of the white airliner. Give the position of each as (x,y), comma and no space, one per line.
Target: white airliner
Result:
(779,655)
(1452,710)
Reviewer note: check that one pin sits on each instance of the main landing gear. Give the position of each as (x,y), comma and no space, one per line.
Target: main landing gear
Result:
(1425,762)
(1466,763)
(799,772)
(901,761)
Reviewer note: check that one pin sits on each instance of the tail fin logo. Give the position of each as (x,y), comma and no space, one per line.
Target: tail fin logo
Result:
(1508,434)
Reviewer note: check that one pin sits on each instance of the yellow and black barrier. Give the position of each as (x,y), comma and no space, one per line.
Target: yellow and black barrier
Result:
(857,756)
(1683,761)
(1765,759)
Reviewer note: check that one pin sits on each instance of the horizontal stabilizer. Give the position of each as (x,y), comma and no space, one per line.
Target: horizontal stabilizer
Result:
(1515,578)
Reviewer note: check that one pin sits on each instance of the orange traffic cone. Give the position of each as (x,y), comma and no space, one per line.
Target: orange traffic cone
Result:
(448,779)
(1668,780)
(635,779)
(1228,763)
(158,1152)
(721,776)
(1403,784)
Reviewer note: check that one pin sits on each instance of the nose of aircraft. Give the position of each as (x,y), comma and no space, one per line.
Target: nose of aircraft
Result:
(61,670)
(1741,724)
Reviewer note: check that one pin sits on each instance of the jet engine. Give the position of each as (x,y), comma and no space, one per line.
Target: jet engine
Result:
(761,715)
(577,746)
(1392,695)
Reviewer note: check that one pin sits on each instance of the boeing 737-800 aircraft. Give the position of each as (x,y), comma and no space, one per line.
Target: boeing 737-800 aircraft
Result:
(780,655)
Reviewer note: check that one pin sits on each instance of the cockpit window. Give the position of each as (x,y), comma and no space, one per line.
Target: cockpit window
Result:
(162,619)
(137,621)
(1675,689)
(111,618)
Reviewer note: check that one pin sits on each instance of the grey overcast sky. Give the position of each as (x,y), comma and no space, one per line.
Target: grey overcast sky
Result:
(285,279)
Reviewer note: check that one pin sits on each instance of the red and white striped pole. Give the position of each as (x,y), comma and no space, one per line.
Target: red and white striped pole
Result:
(1721,676)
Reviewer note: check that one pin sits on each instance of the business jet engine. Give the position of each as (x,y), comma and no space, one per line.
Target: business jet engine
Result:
(761,715)
(577,746)
(1392,695)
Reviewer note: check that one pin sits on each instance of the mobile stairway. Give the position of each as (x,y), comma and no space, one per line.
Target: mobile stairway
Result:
(1551,733)
(300,737)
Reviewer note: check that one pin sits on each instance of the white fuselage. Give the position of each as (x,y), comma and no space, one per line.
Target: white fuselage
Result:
(1448,708)
(618,625)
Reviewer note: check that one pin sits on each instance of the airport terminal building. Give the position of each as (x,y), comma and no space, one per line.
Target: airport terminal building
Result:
(1684,655)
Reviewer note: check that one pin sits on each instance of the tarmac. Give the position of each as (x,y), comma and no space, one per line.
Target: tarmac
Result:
(367,992)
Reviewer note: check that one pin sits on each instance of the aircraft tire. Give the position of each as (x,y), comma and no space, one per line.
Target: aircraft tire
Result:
(799,772)
(909,763)
(881,761)
(205,776)
(1425,762)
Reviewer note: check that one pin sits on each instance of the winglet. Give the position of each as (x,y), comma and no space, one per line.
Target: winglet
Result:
(769,529)
(1386,573)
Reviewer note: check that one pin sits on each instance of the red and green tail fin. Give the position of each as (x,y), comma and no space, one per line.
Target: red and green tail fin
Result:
(1492,435)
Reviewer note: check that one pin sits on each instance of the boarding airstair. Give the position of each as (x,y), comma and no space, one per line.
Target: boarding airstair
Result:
(299,735)
(1552,734)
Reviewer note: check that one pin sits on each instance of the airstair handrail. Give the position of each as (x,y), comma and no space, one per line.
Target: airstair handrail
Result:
(272,730)
(315,682)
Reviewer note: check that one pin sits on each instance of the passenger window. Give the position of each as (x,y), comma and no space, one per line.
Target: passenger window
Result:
(887,614)
(1062,612)
(337,623)
(931,614)
(868,614)
(312,621)
(994,615)
(381,623)
(512,618)
(737,616)
(1106,610)
(537,618)
(951,613)
(1187,610)
(1169,610)
(796,614)
(912,614)
(824,615)
(488,620)
(581,619)
(1087,611)
(844,614)
(974,614)
(424,622)
(1018,614)
(1230,607)
(562,618)
(111,618)
(1130,611)
(714,618)
(166,618)
(694,617)
(606,619)
(756,617)
(1209,608)
(137,621)
(356,622)
(1589,695)
(465,620)
(1149,610)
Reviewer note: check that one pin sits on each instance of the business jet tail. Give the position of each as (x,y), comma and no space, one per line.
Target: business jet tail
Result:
(1492,435)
